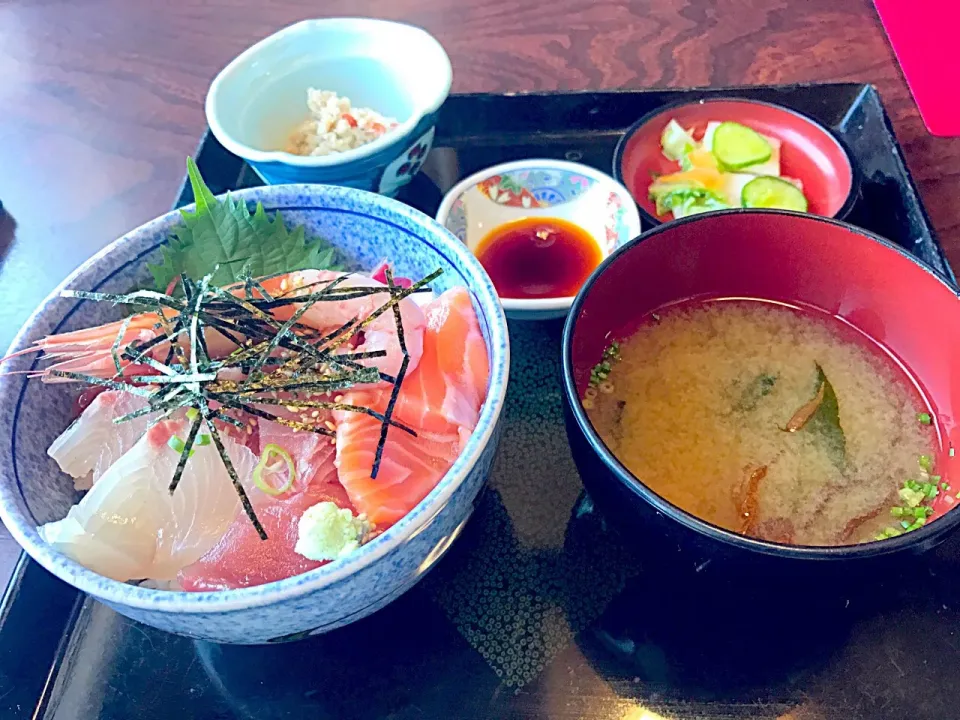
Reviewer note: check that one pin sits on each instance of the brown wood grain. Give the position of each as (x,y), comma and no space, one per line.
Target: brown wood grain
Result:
(101,100)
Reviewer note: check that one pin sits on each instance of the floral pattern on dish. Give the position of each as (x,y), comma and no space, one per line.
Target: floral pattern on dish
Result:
(535,188)
(617,229)
(457,220)
(401,170)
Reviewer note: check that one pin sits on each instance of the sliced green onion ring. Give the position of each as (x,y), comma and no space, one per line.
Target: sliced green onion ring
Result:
(271,451)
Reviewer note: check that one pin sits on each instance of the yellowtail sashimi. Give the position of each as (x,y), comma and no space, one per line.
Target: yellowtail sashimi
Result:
(87,448)
(129,526)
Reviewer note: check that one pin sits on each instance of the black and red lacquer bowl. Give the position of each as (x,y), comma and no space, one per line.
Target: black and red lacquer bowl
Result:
(809,152)
(867,281)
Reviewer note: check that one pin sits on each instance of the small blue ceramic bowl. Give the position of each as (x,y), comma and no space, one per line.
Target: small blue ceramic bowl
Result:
(398,70)
(366,228)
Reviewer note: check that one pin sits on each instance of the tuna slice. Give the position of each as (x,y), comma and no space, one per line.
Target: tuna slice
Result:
(241,558)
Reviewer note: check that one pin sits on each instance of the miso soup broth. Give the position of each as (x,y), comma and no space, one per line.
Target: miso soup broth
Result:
(776,422)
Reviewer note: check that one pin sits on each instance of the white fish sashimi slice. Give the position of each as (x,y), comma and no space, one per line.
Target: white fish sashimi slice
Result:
(93,442)
(129,527)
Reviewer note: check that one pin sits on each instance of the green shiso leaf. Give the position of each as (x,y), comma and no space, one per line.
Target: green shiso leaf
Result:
(224,238)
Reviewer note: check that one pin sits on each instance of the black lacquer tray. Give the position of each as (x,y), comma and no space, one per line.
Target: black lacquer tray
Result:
(540,610)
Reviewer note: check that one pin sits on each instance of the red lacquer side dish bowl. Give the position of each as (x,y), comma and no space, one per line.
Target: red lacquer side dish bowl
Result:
(809,152)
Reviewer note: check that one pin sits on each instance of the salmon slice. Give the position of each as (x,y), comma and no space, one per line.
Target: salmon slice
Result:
(440,400)
(450,385)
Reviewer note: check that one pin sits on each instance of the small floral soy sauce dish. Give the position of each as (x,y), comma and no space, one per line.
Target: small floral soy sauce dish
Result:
(504,193)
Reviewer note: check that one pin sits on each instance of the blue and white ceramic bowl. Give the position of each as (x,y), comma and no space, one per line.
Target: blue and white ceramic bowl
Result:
(366,228)
(569,191)
(398,70)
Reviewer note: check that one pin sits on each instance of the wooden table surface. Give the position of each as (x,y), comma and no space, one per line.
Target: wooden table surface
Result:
(101,100)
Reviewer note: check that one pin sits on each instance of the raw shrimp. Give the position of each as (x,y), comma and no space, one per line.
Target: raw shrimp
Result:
(90,351)
(95,351)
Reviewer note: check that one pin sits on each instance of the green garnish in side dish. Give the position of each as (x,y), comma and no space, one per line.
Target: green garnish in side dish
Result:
(676,142)
(924,418)
(737,146)
(731,166)
(224,238)
(688,200)
(756,389)
(916,496)
(772,192)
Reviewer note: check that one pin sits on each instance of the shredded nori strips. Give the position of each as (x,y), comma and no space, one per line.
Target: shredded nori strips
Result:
(274,356)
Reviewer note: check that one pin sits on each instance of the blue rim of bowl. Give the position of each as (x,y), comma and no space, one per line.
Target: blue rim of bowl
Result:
(380,147)
(241,599)
(852,195)
(535,305)
(878,548)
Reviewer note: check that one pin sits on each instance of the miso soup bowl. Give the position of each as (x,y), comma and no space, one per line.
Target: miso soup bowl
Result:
(791,257)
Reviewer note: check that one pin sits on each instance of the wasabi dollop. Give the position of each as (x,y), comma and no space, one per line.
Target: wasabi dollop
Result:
(328,532)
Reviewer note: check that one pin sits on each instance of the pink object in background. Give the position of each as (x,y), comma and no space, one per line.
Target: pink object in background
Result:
(923,34)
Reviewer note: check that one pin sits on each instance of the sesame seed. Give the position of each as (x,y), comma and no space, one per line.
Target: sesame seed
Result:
(338,398)
(330,425)
(315,413)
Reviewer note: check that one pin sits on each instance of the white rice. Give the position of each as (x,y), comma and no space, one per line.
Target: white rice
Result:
(335,125)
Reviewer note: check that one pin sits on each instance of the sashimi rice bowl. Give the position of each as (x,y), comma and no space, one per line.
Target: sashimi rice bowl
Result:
(262,418)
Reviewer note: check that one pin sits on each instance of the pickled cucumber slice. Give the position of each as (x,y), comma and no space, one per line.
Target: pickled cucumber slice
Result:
(772,192)
(736,146)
